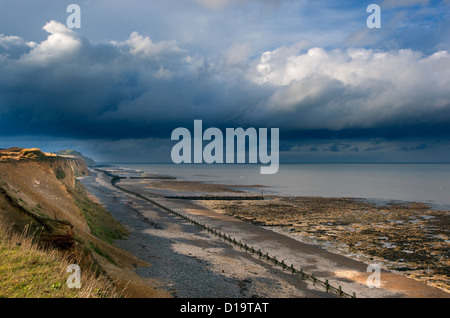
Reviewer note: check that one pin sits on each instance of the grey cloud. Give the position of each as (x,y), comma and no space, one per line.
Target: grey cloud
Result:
(14,46)
(140,88)
(421,146)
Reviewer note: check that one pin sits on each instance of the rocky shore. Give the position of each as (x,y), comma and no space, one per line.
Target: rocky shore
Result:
(186,261)
(409,238)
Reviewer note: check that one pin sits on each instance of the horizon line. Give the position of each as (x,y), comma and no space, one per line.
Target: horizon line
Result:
(290,162)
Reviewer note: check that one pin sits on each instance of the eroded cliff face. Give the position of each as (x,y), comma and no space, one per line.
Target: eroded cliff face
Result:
(34,192)
(40,192)
(66,170)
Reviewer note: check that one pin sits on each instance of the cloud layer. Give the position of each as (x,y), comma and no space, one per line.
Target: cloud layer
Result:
(356,88)
(69,86)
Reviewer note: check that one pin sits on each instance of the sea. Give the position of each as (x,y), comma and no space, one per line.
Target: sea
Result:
(378,182)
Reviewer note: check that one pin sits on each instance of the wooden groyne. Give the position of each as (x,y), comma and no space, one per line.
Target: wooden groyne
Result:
(249,249)
(117,177)
(153,177)
(214,197)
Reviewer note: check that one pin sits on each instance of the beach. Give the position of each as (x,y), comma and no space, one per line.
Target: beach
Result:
(408,238)
(191,254)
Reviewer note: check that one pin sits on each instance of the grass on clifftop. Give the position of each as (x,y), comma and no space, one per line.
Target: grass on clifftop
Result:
(28,271)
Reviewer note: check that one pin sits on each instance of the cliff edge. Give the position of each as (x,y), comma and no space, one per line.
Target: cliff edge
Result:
(40,193)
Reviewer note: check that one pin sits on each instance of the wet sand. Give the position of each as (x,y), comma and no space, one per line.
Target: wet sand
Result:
(187,262)
(190,262)
(409,238)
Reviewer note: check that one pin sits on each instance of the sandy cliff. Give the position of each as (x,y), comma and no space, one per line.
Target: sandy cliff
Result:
(40,191)
(34,189)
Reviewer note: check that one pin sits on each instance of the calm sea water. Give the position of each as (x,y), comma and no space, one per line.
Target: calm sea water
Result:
(429,183)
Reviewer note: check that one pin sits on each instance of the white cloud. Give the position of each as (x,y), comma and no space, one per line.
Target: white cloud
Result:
(355,87)
(163,73)
(60,44)
(143,46)
(12,41)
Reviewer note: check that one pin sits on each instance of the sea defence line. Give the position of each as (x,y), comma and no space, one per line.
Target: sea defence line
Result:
(249,249)
(214,197)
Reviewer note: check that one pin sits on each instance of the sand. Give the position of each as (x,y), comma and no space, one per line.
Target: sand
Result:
(407,237)
(188,261)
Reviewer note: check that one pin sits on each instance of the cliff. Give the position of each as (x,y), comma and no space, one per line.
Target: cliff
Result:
(40,190)
(34,191)
(40,193)
(76,155)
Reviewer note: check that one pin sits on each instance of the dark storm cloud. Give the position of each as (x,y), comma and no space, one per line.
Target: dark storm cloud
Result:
(135,88)
(140,88)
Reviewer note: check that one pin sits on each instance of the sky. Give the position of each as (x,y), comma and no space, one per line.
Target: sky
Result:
(338,90)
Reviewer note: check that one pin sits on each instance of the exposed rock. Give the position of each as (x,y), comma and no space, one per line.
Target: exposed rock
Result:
(399,235)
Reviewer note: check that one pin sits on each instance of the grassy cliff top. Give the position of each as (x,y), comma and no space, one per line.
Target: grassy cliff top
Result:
(24,154)
(17,154)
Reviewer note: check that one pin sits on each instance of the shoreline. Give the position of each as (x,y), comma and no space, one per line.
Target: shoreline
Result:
(185,261)
(409,239)
(147,187)
(325,180)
